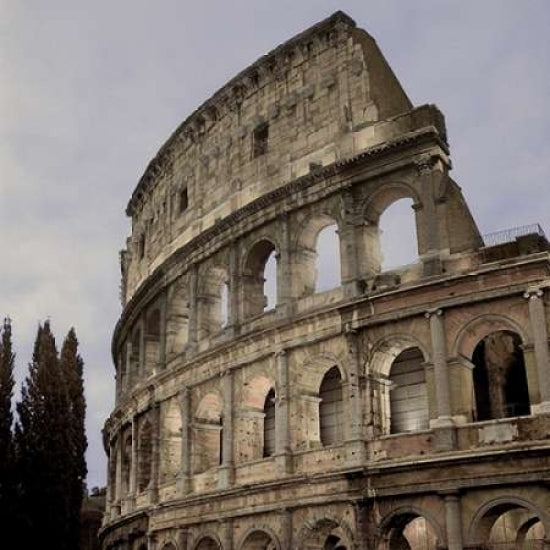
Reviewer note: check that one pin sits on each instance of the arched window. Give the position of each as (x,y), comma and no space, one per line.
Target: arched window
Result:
(177,322)
(152,341)
(411,532)
(207,434)
(145,455)
(260,279)
(408,393)
(398,242)
(135,356)
(269,424)
(331,408)
(316,259)
(126,463)
(327,262)
(213,301)
(500,380)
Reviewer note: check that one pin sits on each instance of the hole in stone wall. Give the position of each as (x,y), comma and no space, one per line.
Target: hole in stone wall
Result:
(327,263)
(397,230)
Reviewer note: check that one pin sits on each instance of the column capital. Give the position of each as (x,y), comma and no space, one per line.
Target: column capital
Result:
(438,312)
(280,352)
(533,293)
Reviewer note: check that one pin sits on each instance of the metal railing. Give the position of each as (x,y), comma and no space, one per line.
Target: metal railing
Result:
(510,235)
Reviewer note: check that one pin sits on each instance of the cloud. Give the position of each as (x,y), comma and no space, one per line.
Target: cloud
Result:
(91,90)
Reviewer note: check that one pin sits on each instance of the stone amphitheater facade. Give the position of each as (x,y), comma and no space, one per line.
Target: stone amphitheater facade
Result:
(403,409)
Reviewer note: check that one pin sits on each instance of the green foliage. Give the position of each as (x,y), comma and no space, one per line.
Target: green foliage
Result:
(7,360)
(50,444)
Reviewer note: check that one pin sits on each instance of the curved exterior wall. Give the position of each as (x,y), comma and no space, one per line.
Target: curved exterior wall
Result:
(336,418)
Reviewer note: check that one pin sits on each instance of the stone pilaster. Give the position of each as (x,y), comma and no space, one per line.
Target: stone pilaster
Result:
(155,461)
(282,418)
(128,367)
(162,343)
(225,478)
(141,347)
(445,435)
(537,317)
(184,477)
(355,442)
(134,457)
(348,245)
(284,275)
(453,521)
(193,308)
(233,319)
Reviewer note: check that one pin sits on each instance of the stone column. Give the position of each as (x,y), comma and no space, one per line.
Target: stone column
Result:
(282,418)
(225,478)
(134,460)
(441,373)
(111,480)
(227,534)
(141,347)
(453,521)
(284,269)
(155,460)
(430,171)
(193,308)
(445,435)
(286,529)
(118,473)
(120,367)
(234,292)
(349,267)
(355,442)
(184,477)
(128,367)
(537,316)
(162,343)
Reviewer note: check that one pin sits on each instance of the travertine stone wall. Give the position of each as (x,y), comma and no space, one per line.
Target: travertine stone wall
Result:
(338,419)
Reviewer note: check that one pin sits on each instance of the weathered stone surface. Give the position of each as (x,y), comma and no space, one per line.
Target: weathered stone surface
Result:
(349,418)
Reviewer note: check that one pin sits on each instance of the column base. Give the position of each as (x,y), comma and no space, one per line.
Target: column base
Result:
(541,408)
(225,477)
(445,438)
(283,463)
(183,485)
(153,495)
(356,452)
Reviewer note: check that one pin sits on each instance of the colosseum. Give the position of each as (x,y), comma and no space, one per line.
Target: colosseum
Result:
(402,409)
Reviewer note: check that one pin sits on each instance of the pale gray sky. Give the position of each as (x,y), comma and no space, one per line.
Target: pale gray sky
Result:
(90,90)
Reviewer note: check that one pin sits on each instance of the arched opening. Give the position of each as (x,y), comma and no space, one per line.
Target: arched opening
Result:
(258,540)
(510,526)
(145,455)
(269,424)
(126,464)
(409,531)
(408,393)
(398,240)
(152,341)
(177,322)
(389,237)
(316,263)
(207,434)
(135,356)
(260,279)
(327,261)
(500,379)
(208,543)
(170,440)
(326,534)
(213,283)
(224,304)
(331,408)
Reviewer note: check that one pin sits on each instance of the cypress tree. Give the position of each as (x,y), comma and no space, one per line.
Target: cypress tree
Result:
(7,486)
(72,369)
(43,446)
